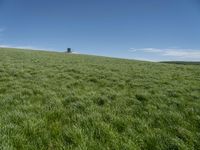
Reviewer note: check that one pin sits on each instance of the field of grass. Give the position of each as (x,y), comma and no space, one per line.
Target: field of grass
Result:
(183,62)
(53,101)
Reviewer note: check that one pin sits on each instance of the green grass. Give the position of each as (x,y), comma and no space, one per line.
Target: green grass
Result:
(182,62)
(52,100)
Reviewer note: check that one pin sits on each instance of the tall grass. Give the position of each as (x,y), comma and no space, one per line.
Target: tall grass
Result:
(54,101)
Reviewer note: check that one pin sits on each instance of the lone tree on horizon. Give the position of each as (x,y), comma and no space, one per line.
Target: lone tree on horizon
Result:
(69,50)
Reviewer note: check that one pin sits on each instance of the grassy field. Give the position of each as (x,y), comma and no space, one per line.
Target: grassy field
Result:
(53,101)
(182,62)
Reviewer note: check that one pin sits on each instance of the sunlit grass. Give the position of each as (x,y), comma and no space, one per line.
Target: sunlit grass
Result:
(54,100)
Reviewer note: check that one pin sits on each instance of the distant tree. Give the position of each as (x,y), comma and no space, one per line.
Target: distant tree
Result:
(69,50)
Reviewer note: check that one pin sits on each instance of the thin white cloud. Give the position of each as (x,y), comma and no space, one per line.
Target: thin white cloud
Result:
(184,53)
(172,52)
(20,47)
(150,50)
(4,46)
(24,47)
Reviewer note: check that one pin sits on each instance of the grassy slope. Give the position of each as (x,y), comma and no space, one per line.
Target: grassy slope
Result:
(182,62)
(57,101)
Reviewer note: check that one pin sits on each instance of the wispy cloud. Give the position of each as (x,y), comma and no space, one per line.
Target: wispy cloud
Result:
(172,52)
(150,50)
(26,47)
(20,47)
(4,45)
(185,53)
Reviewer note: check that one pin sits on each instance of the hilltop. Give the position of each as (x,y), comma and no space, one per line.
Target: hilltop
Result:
(51,100)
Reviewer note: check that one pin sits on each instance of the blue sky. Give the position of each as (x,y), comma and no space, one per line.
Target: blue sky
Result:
(135,29)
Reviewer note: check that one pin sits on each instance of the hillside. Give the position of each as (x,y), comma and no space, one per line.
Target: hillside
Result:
(182,62)
(52,100)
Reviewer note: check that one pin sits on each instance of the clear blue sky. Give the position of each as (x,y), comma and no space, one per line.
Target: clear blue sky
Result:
(135,29)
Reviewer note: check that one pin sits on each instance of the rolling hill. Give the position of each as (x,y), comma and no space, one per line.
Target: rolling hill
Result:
(51,100)
(182,62)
